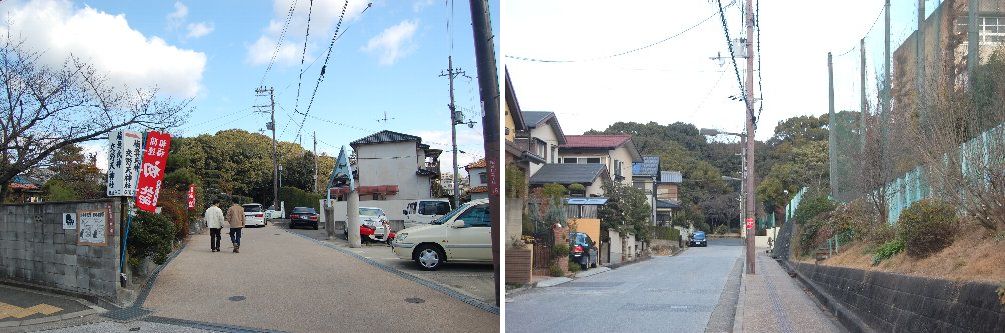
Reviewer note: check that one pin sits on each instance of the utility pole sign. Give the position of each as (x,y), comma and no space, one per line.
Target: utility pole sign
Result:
(155,155)
(124,148)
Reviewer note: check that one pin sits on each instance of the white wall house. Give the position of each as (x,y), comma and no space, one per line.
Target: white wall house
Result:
(478,183)
(543,137)
(616,151)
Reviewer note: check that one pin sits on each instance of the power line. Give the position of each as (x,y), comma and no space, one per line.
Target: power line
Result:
(300,79)
(732,56)
(279,42)
(324,66)
(623,52)
(760,89)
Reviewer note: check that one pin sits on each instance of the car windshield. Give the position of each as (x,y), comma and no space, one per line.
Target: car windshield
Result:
(699,235)
(451,214)
(370,211)
(304,210)
(252,208)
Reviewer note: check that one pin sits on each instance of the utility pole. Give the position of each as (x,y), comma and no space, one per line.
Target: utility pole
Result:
(488,86)
(749,208)
(315,189)
(275,155)
(451,73)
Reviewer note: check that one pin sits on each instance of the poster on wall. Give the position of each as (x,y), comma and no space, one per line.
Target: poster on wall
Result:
(124,149)
(92,227)
(69,221)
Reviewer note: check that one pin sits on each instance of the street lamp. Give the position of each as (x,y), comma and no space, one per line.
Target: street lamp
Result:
(748,239)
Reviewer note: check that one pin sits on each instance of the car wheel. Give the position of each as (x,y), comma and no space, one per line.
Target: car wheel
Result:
(315,226)
(429,257)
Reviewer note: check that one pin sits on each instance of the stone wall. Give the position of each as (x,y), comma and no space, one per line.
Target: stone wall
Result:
(36,250)
(888,302)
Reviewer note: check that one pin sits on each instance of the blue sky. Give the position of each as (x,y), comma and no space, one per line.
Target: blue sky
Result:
(388,60)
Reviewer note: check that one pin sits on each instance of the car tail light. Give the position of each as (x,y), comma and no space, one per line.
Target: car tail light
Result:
(259,215)
(577,249)
(314,217)
(293,216)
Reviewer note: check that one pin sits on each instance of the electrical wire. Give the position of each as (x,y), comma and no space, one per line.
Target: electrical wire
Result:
(279,42)
(335,37)
(300,79)
(760,88)
(732,57)
(664,40)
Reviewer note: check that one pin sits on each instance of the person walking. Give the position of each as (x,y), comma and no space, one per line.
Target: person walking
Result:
(235,219)
(214,221)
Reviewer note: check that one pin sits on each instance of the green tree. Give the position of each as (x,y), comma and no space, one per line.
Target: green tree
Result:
(627,211)
(75,176)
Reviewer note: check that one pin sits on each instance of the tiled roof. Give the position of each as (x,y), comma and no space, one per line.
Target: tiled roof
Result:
(568,173)
(385,136)
(479,189)
(476,164)
(667,204)
(536,118)
(596,141)
(671,177)
(649,167)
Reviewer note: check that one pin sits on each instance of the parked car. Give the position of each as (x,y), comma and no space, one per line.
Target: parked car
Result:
(373,226)
(461,235)
(583,250)
(304,216)
(254,215)
(697,239)
(424,211)
(274,213)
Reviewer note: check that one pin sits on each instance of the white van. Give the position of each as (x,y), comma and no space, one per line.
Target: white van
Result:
(424,211)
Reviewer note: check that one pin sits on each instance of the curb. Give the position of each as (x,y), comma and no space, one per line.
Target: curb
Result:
(92,309)
(846,317)
(730,302)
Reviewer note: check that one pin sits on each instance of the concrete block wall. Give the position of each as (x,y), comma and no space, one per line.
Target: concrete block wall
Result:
(888,302)
(36,250)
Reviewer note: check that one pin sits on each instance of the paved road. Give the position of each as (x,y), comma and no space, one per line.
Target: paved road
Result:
(281,281)
(474,280)
(663,294)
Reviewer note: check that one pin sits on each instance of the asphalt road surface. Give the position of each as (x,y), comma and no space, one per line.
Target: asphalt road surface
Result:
(663,294)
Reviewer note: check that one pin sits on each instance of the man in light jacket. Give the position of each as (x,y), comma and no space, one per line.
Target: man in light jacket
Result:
(214,221)
(235,219)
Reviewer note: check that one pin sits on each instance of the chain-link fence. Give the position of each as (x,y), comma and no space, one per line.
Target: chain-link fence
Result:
(917,108)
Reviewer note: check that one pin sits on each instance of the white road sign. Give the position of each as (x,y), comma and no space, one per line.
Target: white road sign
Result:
(124,157)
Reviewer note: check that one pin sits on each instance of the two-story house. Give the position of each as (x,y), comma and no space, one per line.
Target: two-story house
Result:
(542,138)
(645,175)
(666,196)
(478,184)
(616,151)
(400,162)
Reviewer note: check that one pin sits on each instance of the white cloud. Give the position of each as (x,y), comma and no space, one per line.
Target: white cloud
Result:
(178,16)
(393,43)
(196,30)
(419,5)
(59,30)
(324,16)
(100,150)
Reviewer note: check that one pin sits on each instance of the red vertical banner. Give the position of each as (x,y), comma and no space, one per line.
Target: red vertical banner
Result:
(191,196)
(155,154)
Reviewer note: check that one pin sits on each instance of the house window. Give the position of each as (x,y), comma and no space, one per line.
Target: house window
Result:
(593,160)
(483,177)
(554,154)
(991,28)
(570,160)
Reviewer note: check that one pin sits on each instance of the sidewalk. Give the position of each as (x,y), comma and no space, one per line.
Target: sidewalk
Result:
(772,301)
(21,307)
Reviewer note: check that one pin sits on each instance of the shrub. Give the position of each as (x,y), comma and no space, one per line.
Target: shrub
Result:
(577,189)
(555,270)
(887,250)
(560,250)
(703,226)
(668,233)
(813,204)
(574,267)
(722,229)
(516,182)
(295,197)
(927,227)
(809,234)
(150,235)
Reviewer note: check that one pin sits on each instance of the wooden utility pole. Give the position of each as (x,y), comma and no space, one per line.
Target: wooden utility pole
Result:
(488,86)
(451,73)
(275,154)
(750,205)
(832,133)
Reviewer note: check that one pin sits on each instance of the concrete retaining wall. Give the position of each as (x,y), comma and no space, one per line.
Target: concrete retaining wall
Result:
(36,250)
(888,302)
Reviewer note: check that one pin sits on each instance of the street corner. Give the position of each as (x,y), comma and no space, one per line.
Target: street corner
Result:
(23,307)
(593,271)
